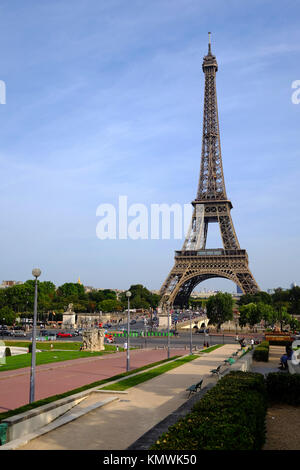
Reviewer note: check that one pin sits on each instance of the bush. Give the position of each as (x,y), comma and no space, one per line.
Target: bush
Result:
(280,343)
(7,352)
(261,352)
(283,388)
(231,416)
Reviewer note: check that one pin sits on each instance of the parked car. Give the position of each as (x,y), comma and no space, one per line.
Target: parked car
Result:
(44,333)
(64,335)
(6,332)
(19,333)
(132,322)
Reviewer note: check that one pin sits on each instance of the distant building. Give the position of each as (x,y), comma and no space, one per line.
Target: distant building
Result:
(6,284)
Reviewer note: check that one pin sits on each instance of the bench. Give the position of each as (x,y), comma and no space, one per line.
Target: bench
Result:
(229,361)
(216,371)
(194,388)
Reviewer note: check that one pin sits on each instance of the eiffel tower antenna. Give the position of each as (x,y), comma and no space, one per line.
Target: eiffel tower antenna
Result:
(195,263)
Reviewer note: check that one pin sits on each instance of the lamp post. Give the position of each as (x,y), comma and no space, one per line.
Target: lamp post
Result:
(191,339)
(36,273)
(128,295)
(168,312)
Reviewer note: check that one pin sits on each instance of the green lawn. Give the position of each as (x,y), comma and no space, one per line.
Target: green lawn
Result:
(46,357)
(46,345)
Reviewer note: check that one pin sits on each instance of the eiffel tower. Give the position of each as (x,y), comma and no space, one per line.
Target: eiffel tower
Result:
(194,263)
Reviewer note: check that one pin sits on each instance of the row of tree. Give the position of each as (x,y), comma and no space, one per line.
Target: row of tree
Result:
(277,308)
(18,300)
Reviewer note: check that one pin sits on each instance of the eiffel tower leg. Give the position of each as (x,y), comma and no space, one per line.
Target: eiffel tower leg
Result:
(228,234)
(189,271)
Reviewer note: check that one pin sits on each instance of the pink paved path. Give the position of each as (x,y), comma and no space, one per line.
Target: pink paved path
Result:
(56,378)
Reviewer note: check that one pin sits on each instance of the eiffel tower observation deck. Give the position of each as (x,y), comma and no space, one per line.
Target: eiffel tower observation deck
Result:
(195,263)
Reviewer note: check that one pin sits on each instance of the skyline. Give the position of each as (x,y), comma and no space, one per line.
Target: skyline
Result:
(104,100)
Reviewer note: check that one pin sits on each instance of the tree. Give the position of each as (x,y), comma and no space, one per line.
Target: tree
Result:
(7,316)
(249,314)
(141,297)
(219,309)
(110,305)
(294,298)
(267,313)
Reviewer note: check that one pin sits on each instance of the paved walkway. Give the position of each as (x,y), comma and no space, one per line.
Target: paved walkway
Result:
(59,377)
(120,423)
(275,353)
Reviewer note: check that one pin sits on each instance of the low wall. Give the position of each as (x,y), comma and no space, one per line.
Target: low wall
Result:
(29,421)
(243,363)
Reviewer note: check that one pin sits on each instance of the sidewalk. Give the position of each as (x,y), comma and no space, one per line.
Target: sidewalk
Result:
(275,352)
(120,423)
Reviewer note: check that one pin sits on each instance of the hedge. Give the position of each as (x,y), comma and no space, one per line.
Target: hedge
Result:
(261,352)
(280,343)
(230,416)
(283,388)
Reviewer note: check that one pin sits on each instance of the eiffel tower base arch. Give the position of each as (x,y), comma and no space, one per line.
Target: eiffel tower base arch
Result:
(190,269)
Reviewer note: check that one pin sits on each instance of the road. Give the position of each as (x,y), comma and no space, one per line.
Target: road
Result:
(180,341)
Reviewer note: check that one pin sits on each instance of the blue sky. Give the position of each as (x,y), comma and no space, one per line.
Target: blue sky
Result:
(105,98)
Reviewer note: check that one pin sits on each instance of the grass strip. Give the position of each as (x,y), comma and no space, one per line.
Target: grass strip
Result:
(46,345)
(47,357)
(211,348)
(47,400)
(136,380)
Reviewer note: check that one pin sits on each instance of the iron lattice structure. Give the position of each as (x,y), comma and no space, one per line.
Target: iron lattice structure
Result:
(194,263)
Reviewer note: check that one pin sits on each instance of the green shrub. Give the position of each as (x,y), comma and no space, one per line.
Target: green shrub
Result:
(264,344)
(7,352)
(283,388)
(261,352)
(280,343)
(230,416)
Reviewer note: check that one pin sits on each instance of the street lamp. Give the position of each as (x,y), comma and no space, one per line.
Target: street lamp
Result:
(191,339)
(128,295)
(36,273)
(168,312)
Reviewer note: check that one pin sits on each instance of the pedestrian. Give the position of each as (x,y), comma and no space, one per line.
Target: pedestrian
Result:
(117,348)
(252,343)
(125,346)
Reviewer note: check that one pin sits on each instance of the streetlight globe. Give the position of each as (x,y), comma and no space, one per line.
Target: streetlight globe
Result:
(36,272)
(128,294)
